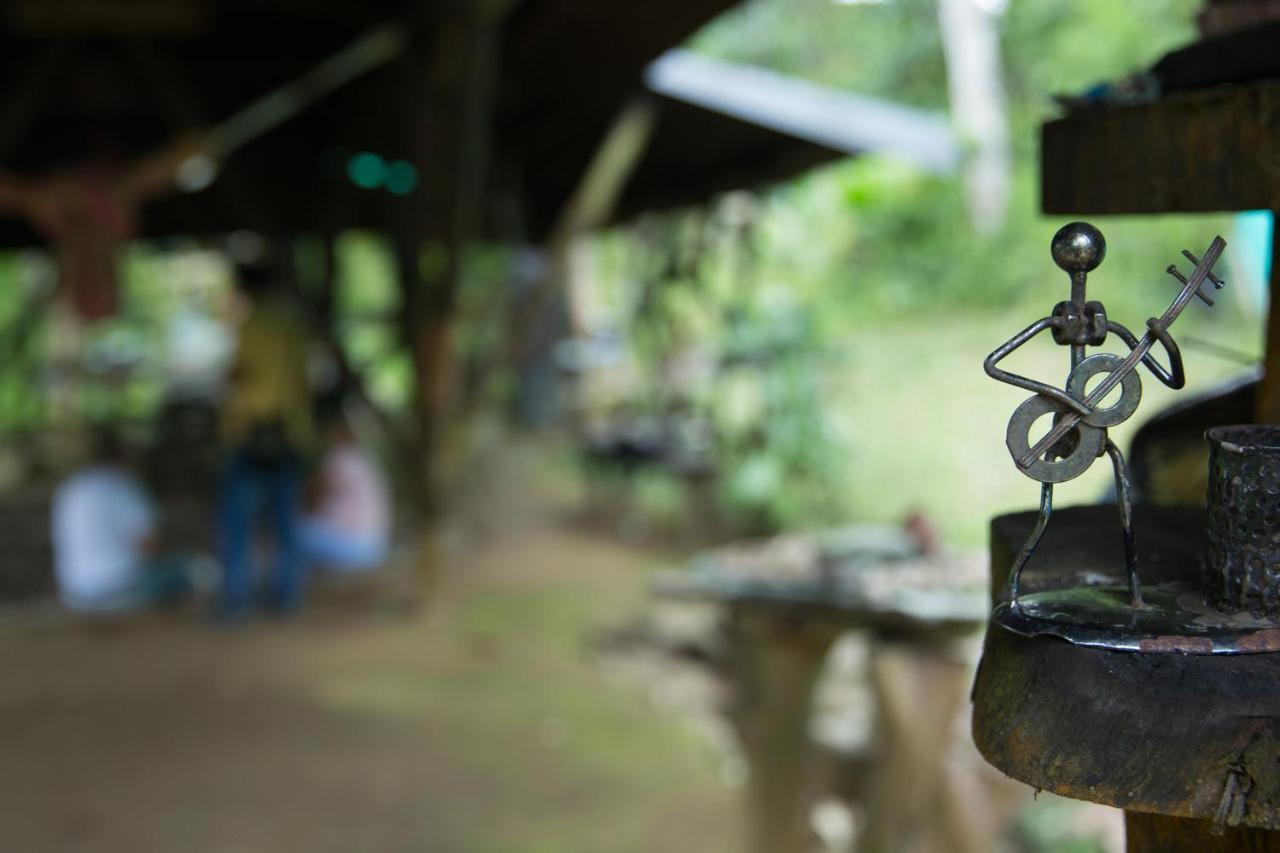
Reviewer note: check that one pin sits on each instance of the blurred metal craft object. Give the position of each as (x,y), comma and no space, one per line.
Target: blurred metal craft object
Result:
(1078,436)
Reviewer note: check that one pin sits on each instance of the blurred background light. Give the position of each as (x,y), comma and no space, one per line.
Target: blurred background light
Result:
(196,173)
(367,170)
(401,178)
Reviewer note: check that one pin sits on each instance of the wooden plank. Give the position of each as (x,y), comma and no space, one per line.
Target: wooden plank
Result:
(449,87)
(1203,151)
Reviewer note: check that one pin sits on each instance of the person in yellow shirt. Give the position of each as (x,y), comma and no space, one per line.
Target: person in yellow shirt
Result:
(267,429)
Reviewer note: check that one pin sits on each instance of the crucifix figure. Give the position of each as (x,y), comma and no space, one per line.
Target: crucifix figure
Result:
(1078,435)
(88,213)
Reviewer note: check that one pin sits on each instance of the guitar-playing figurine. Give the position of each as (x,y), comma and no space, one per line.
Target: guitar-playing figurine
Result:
(1079,432)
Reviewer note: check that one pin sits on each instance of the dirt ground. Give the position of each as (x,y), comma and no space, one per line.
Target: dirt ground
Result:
(459,711)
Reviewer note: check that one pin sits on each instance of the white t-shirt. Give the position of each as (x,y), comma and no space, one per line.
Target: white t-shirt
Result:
(101,519)
(354,497)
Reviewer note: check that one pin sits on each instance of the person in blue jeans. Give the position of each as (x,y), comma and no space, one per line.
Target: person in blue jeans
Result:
(254,489)
(267,427)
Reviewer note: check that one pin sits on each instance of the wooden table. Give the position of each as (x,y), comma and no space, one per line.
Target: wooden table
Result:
(786,604)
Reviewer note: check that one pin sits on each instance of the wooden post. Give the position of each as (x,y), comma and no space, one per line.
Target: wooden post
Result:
(537,320)
(449,90)
(1153,833)
(1268,405)
(918,687)
(775,669)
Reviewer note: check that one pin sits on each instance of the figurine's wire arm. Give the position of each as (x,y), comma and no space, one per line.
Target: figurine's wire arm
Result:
(1032,385)
(1174,377)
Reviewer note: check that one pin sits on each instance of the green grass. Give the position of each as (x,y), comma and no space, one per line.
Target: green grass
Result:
(927,425)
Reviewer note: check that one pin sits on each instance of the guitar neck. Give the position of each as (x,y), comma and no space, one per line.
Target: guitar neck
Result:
(1198,275)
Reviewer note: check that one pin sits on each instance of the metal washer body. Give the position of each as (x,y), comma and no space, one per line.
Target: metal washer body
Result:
(1130,389)
(1090,442)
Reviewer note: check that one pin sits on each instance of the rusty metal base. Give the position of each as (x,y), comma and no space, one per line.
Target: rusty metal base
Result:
(1174,620)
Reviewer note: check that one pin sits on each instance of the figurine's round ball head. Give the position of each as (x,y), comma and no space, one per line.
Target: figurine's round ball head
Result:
(1078,247)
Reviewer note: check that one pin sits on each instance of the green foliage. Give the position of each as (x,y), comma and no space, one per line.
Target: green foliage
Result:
(1049,826)
(722,346)
(1065,47)
(366,276)
(853,250)
(366,303)
(878,237)
(871,48)
(56,369)
(784,468)
(875,239)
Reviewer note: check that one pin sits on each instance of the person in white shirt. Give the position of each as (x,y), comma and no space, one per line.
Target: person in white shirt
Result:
(348,526)
(104,534)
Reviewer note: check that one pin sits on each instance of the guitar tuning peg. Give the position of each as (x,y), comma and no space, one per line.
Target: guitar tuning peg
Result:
(1173,271)
(1217,282)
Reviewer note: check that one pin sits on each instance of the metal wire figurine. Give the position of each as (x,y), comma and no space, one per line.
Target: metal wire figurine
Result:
(1079,432)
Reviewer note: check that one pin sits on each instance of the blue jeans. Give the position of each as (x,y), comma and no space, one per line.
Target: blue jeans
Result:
(251,491)
(326,547)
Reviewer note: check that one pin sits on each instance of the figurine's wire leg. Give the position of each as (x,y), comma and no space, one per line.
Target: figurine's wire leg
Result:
(1126,522)
(1029,547)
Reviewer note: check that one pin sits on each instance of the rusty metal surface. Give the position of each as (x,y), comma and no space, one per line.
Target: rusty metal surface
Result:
(1174,619)
(1242,545)
(1176,734)
(1075,591)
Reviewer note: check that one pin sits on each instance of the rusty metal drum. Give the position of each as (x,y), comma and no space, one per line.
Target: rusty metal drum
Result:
(1241,567)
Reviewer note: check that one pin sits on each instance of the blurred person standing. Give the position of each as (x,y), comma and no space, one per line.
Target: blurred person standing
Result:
(104,538)
(348,526)
(267,428)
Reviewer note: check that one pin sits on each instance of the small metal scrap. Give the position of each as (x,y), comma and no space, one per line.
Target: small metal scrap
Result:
(1078,435)
(1235,800)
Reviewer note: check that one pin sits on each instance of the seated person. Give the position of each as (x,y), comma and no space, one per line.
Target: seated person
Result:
(348,526)
(104,527)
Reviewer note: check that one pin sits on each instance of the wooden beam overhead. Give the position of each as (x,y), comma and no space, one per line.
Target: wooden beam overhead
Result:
(1197,152)
(127,18)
